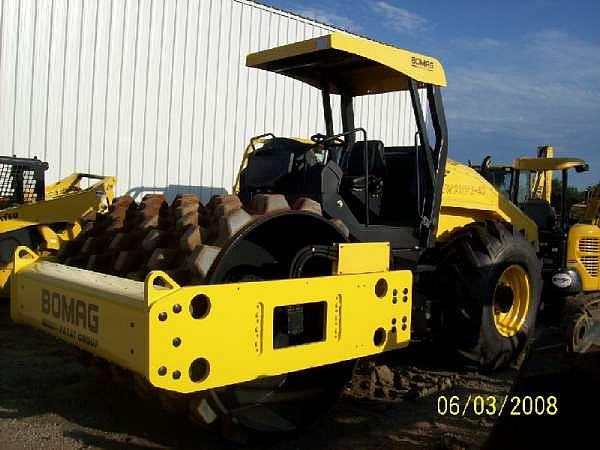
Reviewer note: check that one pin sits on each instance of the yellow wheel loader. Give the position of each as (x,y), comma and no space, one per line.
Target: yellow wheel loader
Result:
(249,312)
(568,251)
(569,241)
(42,217)
(559,241)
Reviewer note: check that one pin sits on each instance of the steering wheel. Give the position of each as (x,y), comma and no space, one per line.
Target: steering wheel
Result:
(319,138)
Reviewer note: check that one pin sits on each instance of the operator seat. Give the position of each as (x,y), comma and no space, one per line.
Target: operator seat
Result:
(354,175)
(541,212)
(354,182)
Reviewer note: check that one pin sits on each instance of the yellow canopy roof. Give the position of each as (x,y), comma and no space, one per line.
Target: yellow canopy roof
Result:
(550,164)
(350,64)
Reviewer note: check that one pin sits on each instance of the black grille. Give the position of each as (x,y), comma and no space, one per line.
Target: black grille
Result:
(21,181)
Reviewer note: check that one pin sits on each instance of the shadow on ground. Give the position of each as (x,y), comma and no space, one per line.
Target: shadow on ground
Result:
(549,372)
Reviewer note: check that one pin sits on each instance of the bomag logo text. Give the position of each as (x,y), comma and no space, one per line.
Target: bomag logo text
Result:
(9,216)
(422,63)
(70,310)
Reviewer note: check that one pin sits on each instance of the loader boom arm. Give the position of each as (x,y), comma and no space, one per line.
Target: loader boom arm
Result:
(65,202)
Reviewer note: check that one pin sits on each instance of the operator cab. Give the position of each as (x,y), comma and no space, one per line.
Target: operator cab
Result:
(22,181)
(381,193)
(499,176)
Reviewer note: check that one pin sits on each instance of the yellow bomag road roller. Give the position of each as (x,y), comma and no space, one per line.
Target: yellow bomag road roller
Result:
(42,217)
(249,312)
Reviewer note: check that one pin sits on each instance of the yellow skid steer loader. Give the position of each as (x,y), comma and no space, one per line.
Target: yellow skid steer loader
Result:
(43,217)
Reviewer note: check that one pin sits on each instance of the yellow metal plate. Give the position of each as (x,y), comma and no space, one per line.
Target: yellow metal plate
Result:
(193,338)
(235,337)
(534,164)
(468,197)
(375,67)
(363,258)
(99,313)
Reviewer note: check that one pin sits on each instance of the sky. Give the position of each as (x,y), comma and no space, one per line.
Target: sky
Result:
(520,73)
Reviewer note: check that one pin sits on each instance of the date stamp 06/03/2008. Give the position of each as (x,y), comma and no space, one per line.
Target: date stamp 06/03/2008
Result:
(490,405)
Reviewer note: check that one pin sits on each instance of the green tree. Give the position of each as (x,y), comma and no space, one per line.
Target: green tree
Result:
(573,195)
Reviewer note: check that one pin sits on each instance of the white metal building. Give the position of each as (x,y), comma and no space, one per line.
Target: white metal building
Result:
(156,91)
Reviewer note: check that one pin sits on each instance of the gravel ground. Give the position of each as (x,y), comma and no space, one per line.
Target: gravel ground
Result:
(49,400)
(575,382)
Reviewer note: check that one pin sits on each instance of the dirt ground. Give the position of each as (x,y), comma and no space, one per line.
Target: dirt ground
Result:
(575,382)
(49,400)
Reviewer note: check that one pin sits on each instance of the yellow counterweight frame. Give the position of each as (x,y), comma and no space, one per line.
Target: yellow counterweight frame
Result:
(192,338)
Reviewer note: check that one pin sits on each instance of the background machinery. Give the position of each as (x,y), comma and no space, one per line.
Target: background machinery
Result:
(249,312)
(43,217)
(569,240)
(587,211)
(528,184)
(502,175)
(582,308)
(558,240)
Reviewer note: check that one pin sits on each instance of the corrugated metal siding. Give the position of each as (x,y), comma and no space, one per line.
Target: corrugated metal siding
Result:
(156,91)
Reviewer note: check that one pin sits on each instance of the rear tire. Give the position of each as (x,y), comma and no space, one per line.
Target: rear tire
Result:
(581,319)
(491,285)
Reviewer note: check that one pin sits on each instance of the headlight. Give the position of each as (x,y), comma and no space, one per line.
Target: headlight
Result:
(562,280)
